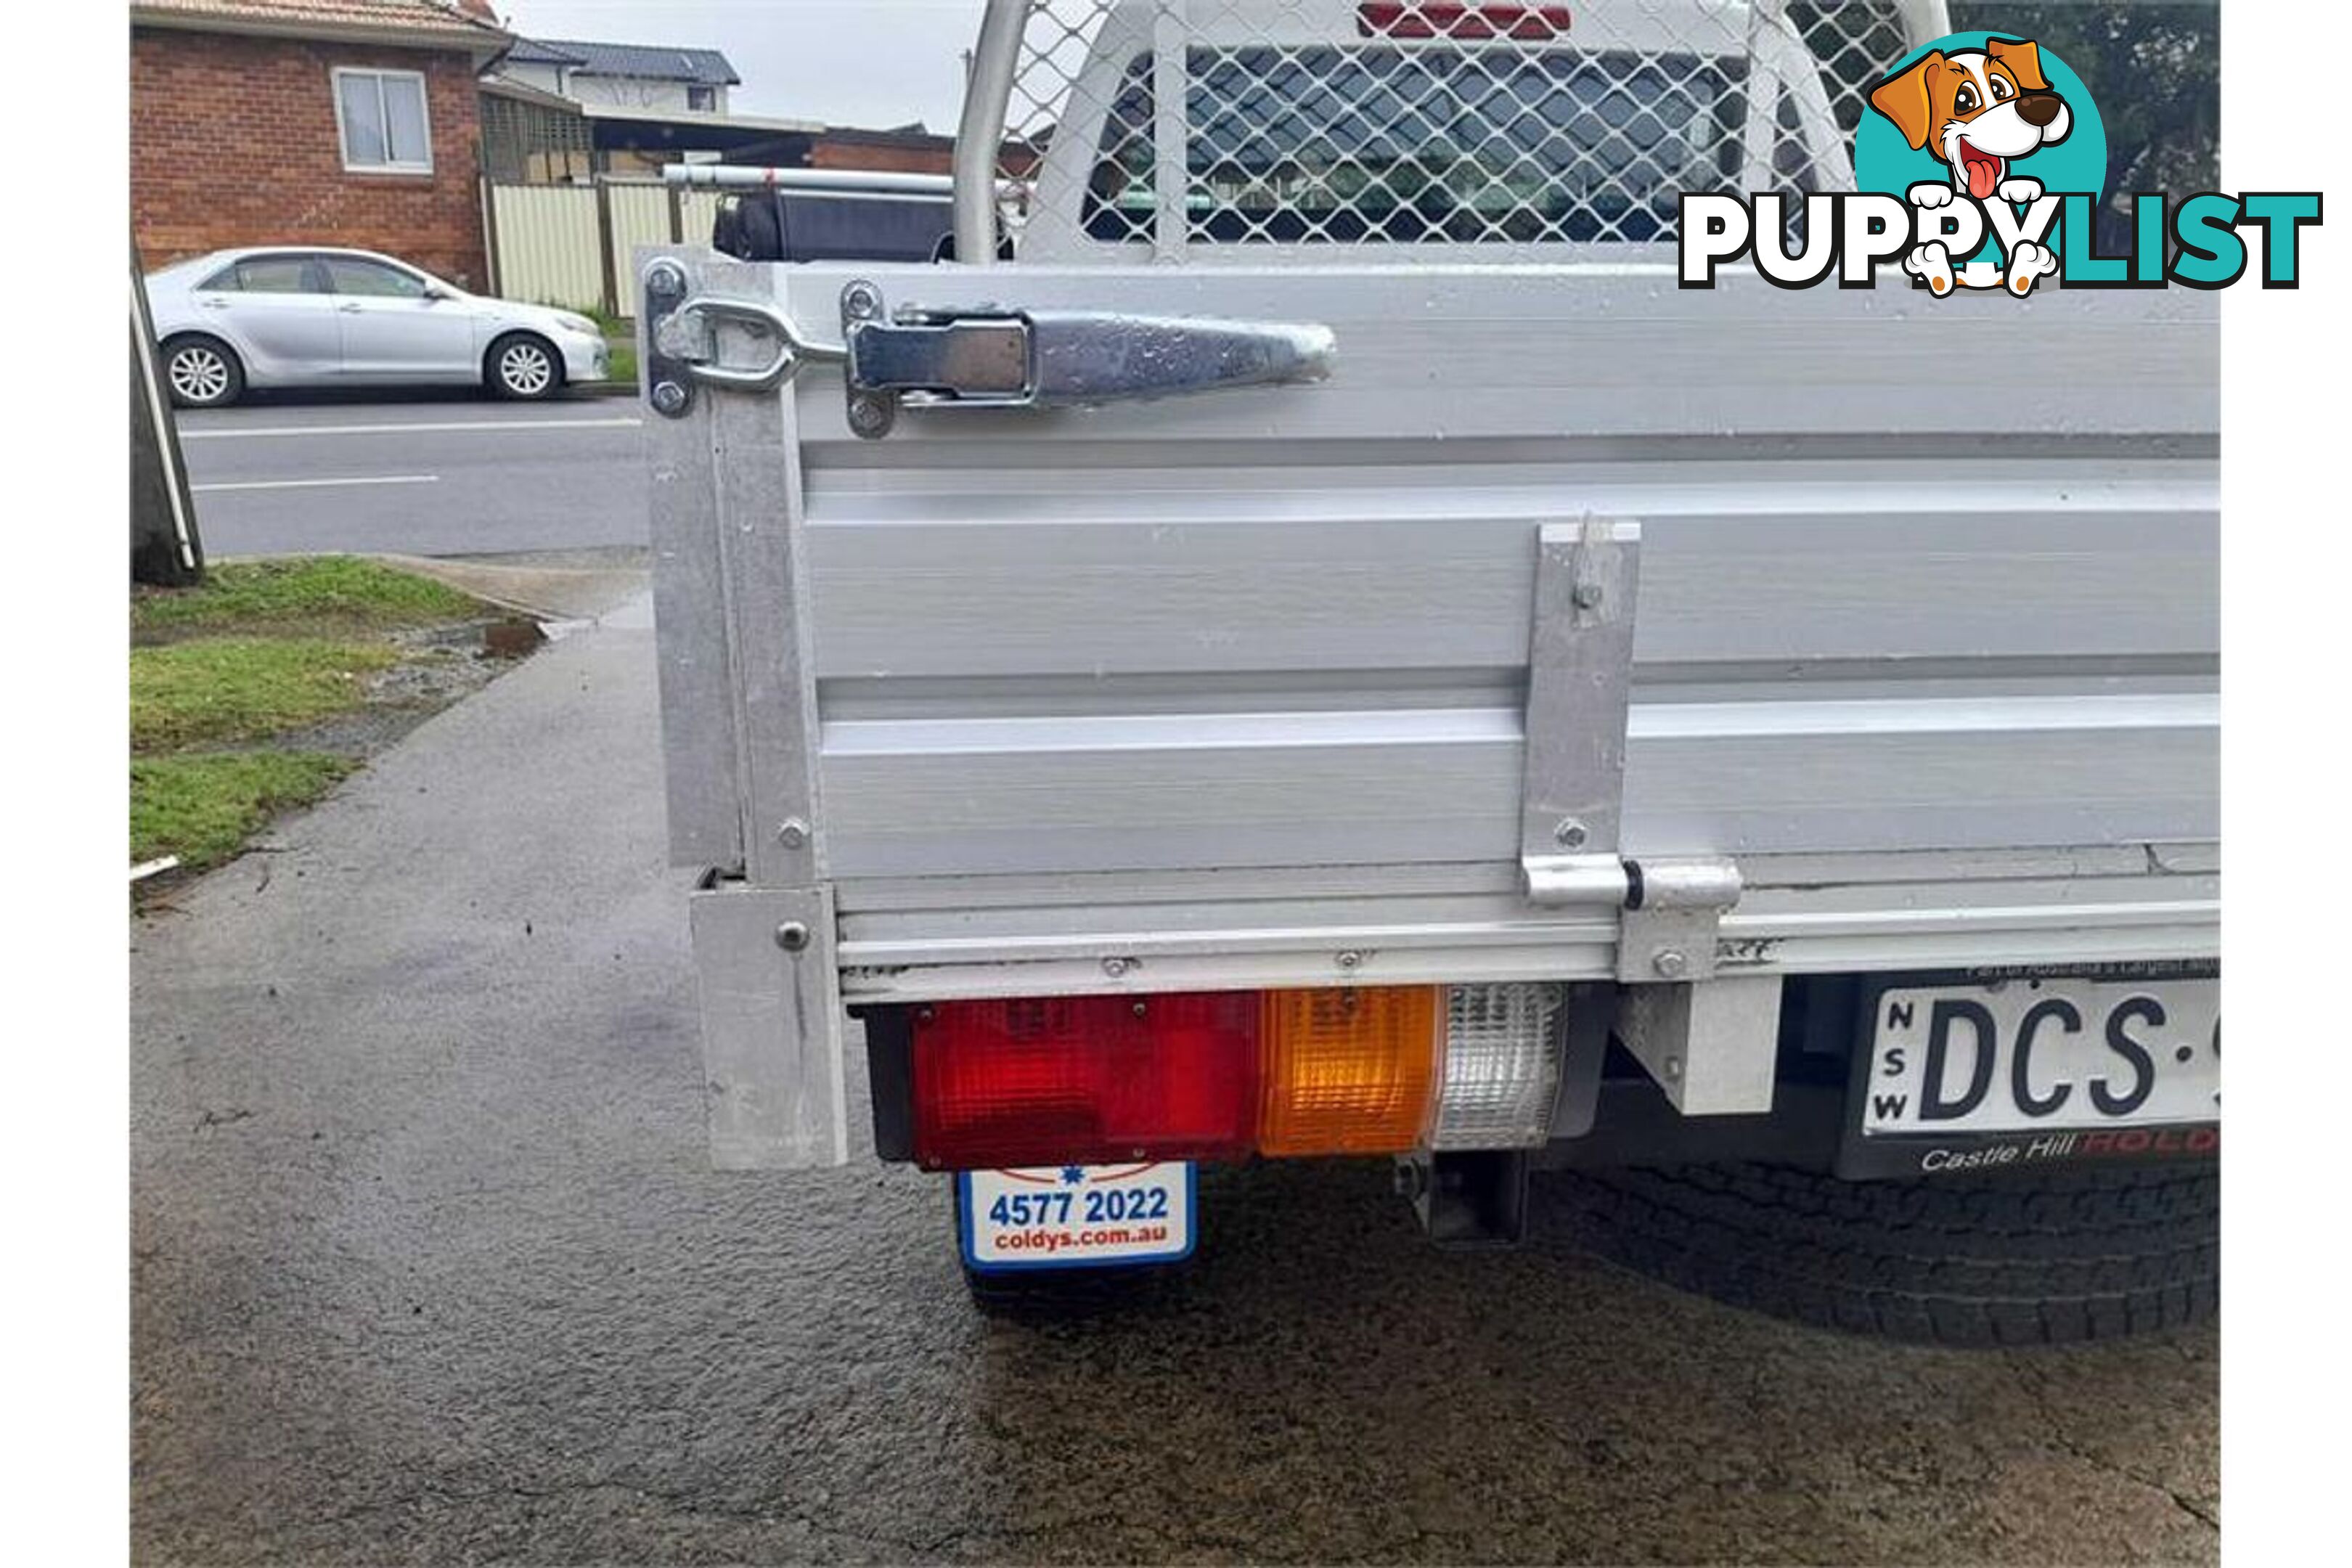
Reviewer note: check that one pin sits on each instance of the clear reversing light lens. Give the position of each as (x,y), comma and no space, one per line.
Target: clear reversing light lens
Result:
(1501,1067)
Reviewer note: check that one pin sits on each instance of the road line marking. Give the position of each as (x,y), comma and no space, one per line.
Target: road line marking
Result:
(320,484)
(274,430)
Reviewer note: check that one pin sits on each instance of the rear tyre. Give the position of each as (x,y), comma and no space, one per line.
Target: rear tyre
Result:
(202,371)
(2064,1256)
(523,367)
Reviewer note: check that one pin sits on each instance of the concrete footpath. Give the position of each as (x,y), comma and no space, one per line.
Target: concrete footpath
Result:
(428,1267)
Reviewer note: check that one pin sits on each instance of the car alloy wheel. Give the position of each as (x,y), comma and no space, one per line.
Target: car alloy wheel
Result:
(525,369)
(199,374)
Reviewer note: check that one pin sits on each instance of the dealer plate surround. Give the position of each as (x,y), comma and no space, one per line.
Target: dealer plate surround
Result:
(1076,1217)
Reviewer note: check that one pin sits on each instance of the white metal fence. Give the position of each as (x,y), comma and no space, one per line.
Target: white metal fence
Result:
(569,245)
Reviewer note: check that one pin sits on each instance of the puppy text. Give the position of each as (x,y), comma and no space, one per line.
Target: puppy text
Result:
(2205,241)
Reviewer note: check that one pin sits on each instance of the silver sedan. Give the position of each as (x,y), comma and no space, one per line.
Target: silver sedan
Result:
(283,316)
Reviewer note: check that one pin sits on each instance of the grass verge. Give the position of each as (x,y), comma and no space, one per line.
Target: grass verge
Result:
(203,808)
(321,594)
(216,690)
(231,683)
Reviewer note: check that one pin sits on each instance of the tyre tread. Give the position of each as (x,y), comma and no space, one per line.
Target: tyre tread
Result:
(2065,1257)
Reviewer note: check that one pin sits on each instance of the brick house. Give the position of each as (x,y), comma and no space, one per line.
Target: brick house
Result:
(311,122)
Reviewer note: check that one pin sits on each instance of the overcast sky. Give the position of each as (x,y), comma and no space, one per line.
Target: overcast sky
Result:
(845,62)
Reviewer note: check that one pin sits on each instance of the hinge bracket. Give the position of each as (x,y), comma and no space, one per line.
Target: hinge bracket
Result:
(1580,685)
(1710,1041)
(1674,910)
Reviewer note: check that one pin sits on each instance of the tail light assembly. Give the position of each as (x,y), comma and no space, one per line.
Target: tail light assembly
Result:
(1223,1075)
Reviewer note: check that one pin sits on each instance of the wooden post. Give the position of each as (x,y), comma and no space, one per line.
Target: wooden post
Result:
(491,258)
(164,546)
(605,246)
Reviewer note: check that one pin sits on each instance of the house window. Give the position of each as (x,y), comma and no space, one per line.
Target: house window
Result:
(702,98)
(382,116)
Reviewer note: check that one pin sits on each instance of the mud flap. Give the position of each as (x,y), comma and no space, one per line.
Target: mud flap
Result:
(772,1026)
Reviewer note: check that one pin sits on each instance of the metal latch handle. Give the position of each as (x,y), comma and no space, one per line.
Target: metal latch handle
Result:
(1060,359)
(991,356)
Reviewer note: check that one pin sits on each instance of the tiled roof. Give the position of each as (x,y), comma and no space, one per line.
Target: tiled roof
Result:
(537,52)
(425,20)
(649,62)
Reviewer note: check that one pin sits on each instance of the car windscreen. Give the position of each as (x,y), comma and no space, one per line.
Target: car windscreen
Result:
(1369,144)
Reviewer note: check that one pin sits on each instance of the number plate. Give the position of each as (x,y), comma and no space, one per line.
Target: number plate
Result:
(2043,1054)
(1075,1216)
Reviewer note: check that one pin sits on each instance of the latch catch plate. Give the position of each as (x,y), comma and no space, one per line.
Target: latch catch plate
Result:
(688,336)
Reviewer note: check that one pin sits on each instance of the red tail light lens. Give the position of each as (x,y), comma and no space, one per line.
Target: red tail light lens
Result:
(1459,19)
(1091,1079)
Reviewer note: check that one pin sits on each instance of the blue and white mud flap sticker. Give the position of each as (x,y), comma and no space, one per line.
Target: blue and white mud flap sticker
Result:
(1075,1216)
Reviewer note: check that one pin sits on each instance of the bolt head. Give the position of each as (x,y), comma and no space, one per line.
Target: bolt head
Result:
(869,416)
(1671,963)
(792,833)
(1350,960)
(1674,1067)
(862,301)
(1114,967)
(1587,595)
(1570,834)
(793,936)
(670,397)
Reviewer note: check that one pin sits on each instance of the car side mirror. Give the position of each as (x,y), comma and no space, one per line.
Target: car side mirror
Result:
(434,293)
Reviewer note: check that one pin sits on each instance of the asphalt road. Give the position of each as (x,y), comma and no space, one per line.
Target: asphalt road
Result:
(427,474)
(429,1267)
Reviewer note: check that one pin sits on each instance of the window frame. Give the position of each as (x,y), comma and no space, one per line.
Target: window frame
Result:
(313,274)
(326,262)
(336,75)
(709,95)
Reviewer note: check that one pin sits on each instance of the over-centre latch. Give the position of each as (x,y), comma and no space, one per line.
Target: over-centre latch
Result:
(993,357)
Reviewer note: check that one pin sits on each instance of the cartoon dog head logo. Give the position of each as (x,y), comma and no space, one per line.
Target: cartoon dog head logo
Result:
(1981,110)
